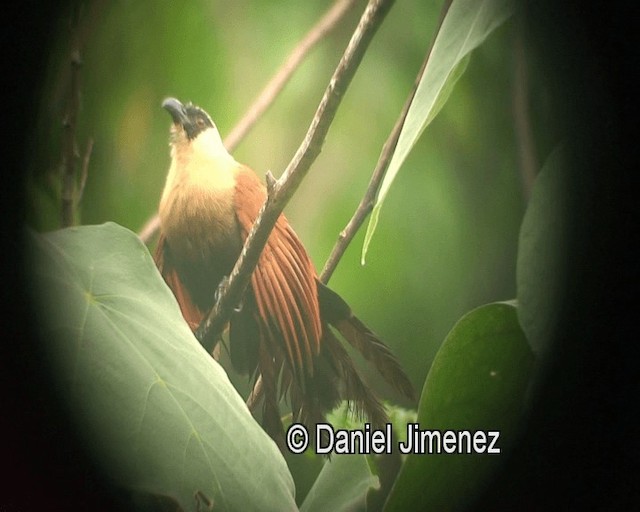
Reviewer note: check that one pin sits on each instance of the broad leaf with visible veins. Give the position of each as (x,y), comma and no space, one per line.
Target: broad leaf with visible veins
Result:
(157,412)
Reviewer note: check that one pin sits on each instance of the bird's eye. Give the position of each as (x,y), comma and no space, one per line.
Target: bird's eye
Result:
(200,122)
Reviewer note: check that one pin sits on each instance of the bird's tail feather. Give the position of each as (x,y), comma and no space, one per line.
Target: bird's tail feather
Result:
(364,401)
(338,313)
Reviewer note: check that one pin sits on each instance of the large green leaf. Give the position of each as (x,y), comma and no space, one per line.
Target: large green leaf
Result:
(478,382)
(466,25)
(541,254)
(158,412)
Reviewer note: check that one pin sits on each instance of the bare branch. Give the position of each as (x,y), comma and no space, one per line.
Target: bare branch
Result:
(521,117)
(267,96)
(264,100)
(84,172)
(232,291)
(256,394)
(149,230)
(366,204)
(70,150)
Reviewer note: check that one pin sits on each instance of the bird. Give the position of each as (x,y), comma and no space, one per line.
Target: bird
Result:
(286,329)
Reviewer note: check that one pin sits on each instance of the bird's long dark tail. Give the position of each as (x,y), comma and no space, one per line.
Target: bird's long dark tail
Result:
(337,312)
(335,376)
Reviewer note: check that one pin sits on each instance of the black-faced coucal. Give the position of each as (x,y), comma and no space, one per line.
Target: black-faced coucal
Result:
(283,330)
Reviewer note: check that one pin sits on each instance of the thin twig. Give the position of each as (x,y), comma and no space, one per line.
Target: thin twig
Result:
(231,294)
(270,92)
(84,172)
(368,200)
(70,150)
(521,117)
(149,229)
(264,100)
(256,394)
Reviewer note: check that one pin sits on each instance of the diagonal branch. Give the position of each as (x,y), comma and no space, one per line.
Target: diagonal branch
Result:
(267,96)
(368,200)
(366,204)
(522,116)
(70,150)
(283,189)
(84,171)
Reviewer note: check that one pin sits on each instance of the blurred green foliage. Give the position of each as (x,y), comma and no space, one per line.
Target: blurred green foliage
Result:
(447,238)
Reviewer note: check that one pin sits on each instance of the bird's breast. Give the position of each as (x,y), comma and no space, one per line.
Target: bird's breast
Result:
(199,223)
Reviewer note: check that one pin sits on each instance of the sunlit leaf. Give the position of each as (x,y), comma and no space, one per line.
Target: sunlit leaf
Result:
(466,25)
(157,412)
(477,382)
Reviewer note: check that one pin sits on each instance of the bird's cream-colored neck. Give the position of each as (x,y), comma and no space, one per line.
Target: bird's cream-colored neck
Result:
(203,163)
(197,201)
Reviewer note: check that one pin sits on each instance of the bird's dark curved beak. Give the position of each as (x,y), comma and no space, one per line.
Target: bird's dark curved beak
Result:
(177,111)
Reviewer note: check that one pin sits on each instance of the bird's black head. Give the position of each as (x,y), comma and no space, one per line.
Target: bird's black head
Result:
(190,117)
